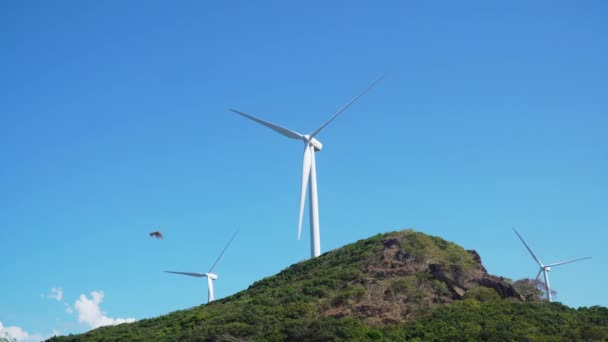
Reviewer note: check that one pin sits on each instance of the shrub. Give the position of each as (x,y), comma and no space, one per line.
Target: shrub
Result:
(482,294)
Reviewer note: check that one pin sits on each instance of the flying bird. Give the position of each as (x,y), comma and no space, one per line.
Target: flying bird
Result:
(157,234)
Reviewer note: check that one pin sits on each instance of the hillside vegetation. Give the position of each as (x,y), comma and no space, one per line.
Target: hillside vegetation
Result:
(399,286)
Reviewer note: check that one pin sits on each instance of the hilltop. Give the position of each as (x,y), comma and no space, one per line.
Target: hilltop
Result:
(396,286)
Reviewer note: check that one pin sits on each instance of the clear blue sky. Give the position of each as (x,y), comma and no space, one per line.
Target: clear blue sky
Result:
(114,121)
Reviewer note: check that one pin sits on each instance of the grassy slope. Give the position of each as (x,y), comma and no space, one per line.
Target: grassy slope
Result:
(376,289)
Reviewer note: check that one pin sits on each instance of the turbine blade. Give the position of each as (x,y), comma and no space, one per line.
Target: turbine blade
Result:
(222,253)
(306,165)
(345,107)
(198,275)
(538,275)
(529,250)
(567,262)
(282,130)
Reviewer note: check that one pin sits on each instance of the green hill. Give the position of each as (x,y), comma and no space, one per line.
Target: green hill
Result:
(394,287)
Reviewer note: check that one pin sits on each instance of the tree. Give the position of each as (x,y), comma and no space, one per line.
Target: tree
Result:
(533,290)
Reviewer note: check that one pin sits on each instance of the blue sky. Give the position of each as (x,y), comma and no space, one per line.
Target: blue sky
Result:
(114,121)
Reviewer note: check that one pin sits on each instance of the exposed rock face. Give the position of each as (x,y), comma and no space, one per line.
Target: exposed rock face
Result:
(447,277)
(477,258)
(406,278)
(499,285)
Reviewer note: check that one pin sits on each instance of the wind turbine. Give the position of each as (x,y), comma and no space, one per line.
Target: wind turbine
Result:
(309,169)
(210,276)
(545,268)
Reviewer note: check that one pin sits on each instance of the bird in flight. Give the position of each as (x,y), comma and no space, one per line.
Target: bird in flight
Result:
(157,234)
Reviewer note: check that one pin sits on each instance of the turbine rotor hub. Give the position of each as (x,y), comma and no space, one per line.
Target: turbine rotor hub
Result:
(314,142)
(211,276)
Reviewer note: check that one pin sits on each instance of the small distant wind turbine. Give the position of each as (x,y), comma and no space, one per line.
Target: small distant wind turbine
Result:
(210,276)
(545,268)
(309,170)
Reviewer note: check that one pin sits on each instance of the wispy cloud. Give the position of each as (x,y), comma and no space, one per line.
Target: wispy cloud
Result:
(90,313)
(56,294)
(19,334)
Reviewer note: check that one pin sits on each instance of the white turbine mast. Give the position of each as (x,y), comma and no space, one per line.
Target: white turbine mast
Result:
(545,268)
(209,275)
(309,169)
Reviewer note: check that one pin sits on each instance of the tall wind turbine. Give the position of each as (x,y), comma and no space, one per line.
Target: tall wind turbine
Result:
(545,268)
(210,276)
(309,169)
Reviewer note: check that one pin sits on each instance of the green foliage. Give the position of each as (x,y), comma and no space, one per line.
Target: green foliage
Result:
(405,285)
(482,294)
(409,287)
(441,288)
(470,320)
(314,300)
(354,293)
(435,250)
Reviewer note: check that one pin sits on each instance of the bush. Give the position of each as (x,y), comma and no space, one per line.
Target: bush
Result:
(482,294)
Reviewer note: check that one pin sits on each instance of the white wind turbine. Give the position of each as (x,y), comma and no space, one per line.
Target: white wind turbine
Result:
(309,170)
(545,268)
(210,276)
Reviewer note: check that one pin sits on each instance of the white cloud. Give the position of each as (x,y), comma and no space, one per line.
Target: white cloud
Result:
(56,294)
(90,313)
(19,334)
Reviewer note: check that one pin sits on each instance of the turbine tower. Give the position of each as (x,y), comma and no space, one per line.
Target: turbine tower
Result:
(309,169)
(545,268)
(210,276)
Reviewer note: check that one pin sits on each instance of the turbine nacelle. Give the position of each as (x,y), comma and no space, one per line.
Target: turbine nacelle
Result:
(314,142)
(309,173)
(210,276)
(545,268)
